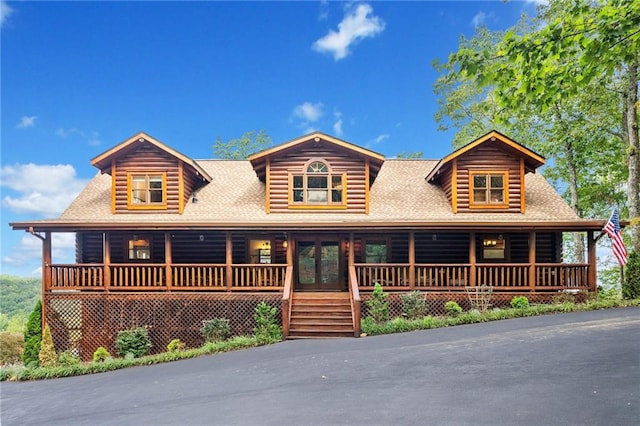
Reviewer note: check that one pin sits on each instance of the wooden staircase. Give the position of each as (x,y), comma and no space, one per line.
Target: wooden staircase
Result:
(320,314)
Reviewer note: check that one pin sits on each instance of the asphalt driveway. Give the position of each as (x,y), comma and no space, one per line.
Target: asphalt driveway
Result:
(569,369)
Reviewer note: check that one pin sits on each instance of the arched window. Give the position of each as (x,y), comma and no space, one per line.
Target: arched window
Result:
(317,185)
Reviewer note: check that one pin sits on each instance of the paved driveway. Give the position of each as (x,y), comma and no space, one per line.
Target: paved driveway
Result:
(570,369)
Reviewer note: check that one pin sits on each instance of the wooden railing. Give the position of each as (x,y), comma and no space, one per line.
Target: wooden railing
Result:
(258,276)
(286,300)
(434,277)
(553,276)
(511,276)
(76,277)
(354,297)
(389,275)
(139,276)
(198,277)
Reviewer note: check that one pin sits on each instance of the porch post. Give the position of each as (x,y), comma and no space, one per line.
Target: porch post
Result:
(229,261)
(532,261)
(352,250)
(472,259)
(46,274)
(168,260)
(412,259)
(591,254)
(106,259)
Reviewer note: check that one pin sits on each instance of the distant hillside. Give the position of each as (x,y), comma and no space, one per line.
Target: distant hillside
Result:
(18,294)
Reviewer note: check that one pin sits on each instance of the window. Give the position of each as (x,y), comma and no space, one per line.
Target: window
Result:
(489,190)
(147,191)
(139,248)
(317,186)
(375,251)
(493,248)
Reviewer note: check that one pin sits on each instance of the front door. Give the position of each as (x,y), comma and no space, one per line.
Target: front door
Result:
(318,264)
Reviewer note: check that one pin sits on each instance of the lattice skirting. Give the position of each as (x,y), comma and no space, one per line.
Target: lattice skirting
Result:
(83,322)
(436,301)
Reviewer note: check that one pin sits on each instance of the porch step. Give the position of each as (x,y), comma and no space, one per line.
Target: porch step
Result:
(320,315)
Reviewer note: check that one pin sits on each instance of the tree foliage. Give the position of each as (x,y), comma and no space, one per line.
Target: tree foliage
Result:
(18,294)
(240,148)
(33,336)
(561,84)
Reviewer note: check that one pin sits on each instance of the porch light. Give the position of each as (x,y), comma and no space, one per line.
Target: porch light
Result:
(285,244)
(201,238)
(434,237)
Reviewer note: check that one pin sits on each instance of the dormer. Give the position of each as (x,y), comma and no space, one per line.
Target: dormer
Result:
(148,176)
(317,172)
(486,175)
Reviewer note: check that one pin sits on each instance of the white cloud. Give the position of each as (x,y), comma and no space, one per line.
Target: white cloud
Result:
(90,138)
(380,138)
(337,126)
(478,19)
(29,250)
(308,111)
(45,190)
(324,10)
(357,24)
(27,121)
(5,12)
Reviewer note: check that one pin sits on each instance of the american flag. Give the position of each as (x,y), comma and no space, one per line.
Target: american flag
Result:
(612,229)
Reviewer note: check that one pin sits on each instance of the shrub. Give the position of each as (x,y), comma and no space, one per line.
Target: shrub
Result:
(563,297)
(267,329)
(631,281)
(47,355)
(176,345)
(134,341)
(11,347)
(378,306)
(33,336)
(519,302)
(101,354)
(452,308)
(413,305)
(215,329)
(67,359)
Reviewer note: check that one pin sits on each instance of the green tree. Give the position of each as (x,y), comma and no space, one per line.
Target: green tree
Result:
(47,354)
(33,336)
(241,148)
(578,45)
(631,282)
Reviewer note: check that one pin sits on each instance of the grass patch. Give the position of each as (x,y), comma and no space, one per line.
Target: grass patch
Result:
(400,325)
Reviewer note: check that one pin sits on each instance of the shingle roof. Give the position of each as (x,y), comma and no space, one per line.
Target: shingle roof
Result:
(399,195)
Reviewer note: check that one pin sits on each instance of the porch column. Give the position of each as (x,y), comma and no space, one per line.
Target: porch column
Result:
(229,261)
(106,260)
(46,274)
(472,259)
(412,259)
(532,261)
(352,250)
(168,260)
(591,254)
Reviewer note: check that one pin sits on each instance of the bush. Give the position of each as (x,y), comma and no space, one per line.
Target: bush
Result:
(176,345)
(631,282)
(267,329)
(101,354)
(519,302)
(378,306)
(67,359)
(33,336)
(11,347)
(215,329)
(134,341)
(413,305)
(452,308)
(47,355)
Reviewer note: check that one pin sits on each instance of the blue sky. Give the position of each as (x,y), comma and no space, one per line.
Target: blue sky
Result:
(80,77)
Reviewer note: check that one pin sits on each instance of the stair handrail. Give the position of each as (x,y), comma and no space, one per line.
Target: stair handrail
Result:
(354,296)
(286,300)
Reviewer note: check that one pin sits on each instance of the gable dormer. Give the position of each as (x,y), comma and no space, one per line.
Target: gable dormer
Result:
(486,175)
(148,176)
(317,172)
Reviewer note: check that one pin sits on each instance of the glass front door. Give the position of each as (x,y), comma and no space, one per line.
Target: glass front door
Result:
(318,265)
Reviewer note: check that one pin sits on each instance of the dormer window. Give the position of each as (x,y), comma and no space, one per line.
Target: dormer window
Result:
(147,191)
(317,186)
(489,189)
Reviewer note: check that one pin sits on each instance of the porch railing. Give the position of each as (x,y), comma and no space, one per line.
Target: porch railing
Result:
(389,275)
(260,276)
(506,276)
(76,277)
(434,277)
(198,277)
(552,276)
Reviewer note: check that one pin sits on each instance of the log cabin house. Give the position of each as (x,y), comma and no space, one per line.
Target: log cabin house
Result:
(309,227)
